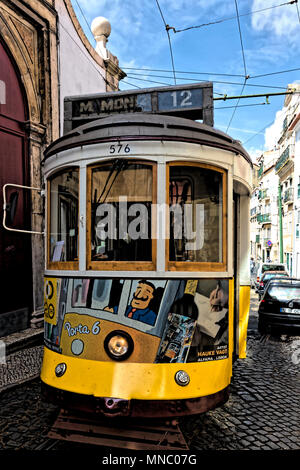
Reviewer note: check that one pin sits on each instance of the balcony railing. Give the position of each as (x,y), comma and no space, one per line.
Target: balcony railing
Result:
(284,157)
(263,218)
(285,124)
(263,193)
(288,195)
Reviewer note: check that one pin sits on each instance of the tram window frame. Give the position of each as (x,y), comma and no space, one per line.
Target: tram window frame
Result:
(195,266)
(120,265)
(61,265)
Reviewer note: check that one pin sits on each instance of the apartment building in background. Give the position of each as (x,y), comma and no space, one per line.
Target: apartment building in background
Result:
(264,210)
(275,205)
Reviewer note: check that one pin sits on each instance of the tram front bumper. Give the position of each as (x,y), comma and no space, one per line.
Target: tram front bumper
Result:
(117,408)
(111,384)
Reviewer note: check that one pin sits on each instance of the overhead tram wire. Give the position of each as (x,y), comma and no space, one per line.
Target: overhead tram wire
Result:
(133,76)
(84,17)
(267,95)
(180,71)
(257,133)
(241,39)
(212,73)
(298,11)
(192,72)
(131,84)
(241,105)
(222,20)
(267,125)
(236,106)
(167,27)
(244,63)
(252,96)
(275,73)
(147,80)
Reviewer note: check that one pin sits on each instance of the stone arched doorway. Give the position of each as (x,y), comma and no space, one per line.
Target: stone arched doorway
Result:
(15,248)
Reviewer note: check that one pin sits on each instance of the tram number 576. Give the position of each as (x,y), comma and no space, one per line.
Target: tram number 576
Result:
(119,148)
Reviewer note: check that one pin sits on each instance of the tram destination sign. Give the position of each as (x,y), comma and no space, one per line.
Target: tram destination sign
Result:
(193,101)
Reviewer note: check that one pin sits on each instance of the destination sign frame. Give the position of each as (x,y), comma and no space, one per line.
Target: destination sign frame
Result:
(193,101)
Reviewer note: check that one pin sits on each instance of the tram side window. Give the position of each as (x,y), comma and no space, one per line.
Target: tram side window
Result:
(121,199)
(63,233)
(196,214)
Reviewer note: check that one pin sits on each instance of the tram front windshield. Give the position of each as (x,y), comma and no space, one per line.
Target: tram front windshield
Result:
(121,212)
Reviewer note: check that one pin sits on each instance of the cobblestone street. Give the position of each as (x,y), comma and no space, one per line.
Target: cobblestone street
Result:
(263,410)
(262,413)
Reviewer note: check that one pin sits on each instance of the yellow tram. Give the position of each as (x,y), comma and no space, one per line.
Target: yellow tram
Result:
(147,283)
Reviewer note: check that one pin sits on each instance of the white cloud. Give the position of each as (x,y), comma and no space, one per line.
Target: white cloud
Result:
(273,132)
(281,22)
(254,153)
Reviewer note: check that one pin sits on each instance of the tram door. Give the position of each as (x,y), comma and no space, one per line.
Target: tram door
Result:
(235,251)
(15,249)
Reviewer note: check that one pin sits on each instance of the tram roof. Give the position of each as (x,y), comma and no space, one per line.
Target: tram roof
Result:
(139,126)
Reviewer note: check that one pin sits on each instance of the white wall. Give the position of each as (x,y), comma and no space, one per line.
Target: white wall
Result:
(79,73)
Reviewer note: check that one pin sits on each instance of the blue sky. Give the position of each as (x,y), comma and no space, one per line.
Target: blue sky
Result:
(270,40)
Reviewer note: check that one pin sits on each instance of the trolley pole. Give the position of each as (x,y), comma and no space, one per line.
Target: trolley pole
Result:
(280,225)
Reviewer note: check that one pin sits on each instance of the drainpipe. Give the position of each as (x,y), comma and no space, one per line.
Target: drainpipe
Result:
(280,225)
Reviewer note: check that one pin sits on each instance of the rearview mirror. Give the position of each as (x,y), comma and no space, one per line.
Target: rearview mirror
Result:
(10,208)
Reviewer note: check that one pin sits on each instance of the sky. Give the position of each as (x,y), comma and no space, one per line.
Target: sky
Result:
(262,44)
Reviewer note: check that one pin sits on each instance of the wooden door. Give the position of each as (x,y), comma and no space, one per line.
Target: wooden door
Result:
(15,248)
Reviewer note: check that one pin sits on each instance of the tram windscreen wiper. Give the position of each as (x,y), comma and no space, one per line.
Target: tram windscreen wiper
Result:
(117,166)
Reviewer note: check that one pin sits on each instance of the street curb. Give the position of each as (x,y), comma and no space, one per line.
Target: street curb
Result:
(21,366)
(14,385)
(23,340)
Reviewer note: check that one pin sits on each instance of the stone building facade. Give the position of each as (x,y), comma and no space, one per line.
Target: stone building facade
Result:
(44,56)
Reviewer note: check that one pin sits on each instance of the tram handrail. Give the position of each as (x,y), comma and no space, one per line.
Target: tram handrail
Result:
(5,208)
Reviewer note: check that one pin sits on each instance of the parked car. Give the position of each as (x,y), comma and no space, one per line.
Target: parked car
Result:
(279,309)
(263,267)
(266,277)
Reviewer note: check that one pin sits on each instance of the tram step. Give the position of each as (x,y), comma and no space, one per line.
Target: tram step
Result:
(127,435)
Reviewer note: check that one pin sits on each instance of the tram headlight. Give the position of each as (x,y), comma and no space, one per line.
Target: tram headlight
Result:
(118,345)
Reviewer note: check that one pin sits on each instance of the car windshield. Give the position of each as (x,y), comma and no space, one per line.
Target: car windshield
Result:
(284,292)
(271,276)
(272,267)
